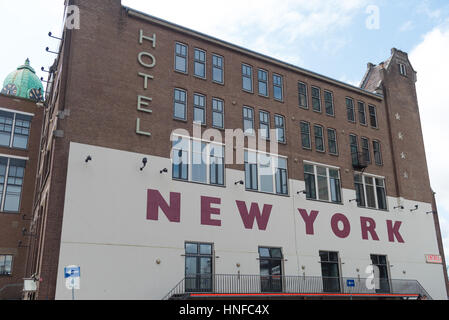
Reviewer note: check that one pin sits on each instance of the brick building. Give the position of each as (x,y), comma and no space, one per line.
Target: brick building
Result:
(341,188)
(20,131)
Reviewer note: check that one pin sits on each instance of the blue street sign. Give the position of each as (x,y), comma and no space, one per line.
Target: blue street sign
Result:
(350,283)
(72,272)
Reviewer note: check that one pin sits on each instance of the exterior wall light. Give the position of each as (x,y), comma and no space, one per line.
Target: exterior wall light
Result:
(241,182)
(303,192)
(89,158)
(165,170)
(399,207)
(144,162)
(416,208)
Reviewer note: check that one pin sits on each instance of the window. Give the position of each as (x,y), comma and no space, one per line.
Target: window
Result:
(330,271)
(251,175)
(381,274)
(322,183)
(372,116)
(247,78)
(332,141)
(181,57)
(14,130)
(354,146)
(305,135)
(362,113)
(21,131)
(279,123)
(216,164)
(302,92)
(350,109)
(180,104)
(316,99)
(199,108)
(248,120)
(366,150)
(6,122)
(278,87)
(200,63)
(370,192)
(319,139)
(180,159)
(377,153)
(402,69)
(270,269)
(12,172)
(5,265)
(198,267)
(199,165)
(217,113)
(329,103)
(263,82)
(217,69)
(266,173)
(264,119)
(198,161)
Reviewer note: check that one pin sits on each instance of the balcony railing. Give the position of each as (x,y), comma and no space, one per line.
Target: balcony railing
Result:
(359,161)
(248,285)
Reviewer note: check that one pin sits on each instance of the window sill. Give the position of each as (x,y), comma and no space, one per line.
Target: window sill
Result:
(304,107)
(186,73)
(180,120)
(328,202)
(268,193)
(247,91)
(199,77)
(219,83)
(200,183)
(263,96)
(368,208)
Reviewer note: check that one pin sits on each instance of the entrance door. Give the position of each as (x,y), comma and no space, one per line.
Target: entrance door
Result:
(198,267)
(270,269)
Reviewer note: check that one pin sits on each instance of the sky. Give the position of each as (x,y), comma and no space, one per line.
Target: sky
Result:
(336,38)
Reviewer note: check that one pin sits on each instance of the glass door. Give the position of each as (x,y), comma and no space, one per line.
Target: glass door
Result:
(270,269)
(198,267)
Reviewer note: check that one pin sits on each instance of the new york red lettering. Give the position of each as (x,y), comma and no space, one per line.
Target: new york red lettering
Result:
(207,211)
(254,214)
(393,231)
(336,218)
(368,226)
(309,220)
(172,211)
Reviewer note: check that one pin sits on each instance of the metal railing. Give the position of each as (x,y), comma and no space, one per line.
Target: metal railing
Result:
(359,160)
(257,284)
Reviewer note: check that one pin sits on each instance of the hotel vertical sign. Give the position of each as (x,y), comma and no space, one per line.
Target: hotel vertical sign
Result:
(148,61)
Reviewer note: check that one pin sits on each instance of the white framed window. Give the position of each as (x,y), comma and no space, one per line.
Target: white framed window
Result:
(278,87)
(332,141)
(305,135)
(322,183)
(319,138)
(181,56)
(302,94)
(370,191)
(217,69)
(12,173)
(377,153)
(350,109)
(200,63)
(180,104)
(198,161)
(362,112)
(279,123)
(14,129)
(247,78)
(199,108)
(372,116)
(316,99)
(266,173)
(264,124)
(217,113)
(248,120)
(263,82)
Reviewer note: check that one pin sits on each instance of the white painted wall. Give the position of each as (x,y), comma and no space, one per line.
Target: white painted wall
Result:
(105,230)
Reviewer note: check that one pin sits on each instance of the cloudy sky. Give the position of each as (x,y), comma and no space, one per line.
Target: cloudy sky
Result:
(336,38)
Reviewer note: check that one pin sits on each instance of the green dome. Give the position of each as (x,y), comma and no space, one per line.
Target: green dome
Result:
(23,83)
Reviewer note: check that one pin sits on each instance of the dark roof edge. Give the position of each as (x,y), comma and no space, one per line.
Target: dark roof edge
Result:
(148,17)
